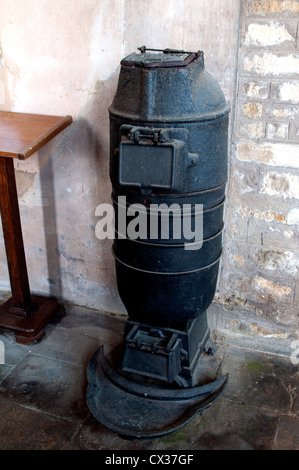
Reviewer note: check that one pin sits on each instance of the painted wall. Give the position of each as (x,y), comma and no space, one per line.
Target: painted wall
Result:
(63,58)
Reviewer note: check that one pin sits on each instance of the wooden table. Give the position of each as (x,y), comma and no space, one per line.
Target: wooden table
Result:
(21,135)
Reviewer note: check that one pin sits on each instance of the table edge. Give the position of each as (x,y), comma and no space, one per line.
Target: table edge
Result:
(38,143)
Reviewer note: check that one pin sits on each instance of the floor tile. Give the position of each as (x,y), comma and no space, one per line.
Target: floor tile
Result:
(22,428)
(288,434)
(54,386)
(225,426)
(67,345)
(13,352)
(262,380)
(93,435)
(93,323)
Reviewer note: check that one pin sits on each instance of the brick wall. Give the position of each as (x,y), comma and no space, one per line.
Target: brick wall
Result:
(261,255)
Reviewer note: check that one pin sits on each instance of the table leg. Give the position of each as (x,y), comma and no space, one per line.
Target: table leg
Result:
(23,314)
(12,231)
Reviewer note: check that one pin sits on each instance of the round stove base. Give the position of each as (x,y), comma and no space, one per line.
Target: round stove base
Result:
(136,409)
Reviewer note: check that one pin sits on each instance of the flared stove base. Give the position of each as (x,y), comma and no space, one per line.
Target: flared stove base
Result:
(141,409)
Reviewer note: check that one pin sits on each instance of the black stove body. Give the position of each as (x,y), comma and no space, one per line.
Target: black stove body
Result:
(168,168)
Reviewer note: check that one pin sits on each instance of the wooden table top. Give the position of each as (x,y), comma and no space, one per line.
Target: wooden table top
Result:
(23,134)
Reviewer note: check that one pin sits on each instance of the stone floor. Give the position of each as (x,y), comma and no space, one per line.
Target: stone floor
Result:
(43,406)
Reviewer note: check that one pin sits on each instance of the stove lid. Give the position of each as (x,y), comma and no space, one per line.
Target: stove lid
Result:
(160,58)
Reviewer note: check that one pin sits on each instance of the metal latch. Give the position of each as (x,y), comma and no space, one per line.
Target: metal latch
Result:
(143,49)
(139,134)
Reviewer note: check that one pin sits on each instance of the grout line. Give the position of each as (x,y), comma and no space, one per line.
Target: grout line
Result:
(58,360)
(276,434)
(42,411)
(13,366)
(279,414)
